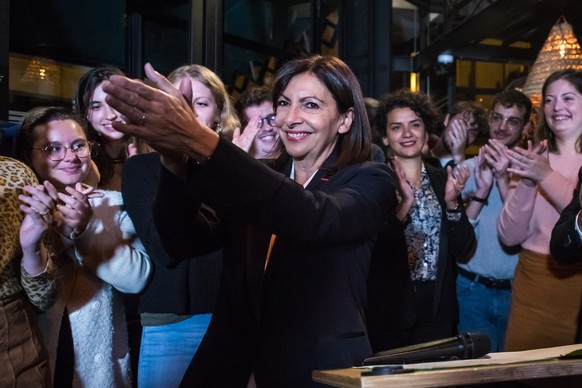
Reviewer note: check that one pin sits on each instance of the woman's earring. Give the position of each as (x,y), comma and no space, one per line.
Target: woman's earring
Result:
(218,128)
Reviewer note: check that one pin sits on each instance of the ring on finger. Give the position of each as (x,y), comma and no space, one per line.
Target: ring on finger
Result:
(44,213)
(143,117)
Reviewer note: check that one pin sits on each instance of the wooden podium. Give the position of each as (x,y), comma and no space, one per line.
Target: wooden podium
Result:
(495,367)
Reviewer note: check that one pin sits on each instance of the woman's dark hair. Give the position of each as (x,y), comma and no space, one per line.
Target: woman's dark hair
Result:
(354,145)
(419,103)
(39,116)
(543,131)
(87,85)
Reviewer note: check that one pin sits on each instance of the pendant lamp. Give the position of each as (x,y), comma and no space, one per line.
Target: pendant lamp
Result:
(560,51)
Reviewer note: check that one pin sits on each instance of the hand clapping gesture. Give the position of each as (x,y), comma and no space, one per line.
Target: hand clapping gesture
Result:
(456,180)
(75,210)
(404,189)
(532,164)
(456,137)
(496,157)
(38,205)
(484,173)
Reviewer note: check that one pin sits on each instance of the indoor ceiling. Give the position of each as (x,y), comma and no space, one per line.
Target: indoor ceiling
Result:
(504,30)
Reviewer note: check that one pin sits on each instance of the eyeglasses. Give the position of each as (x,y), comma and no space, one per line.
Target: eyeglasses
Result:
(497,119)
(270,120)
(58,152)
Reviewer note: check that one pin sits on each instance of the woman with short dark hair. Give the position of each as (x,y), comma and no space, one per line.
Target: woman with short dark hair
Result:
(297,241)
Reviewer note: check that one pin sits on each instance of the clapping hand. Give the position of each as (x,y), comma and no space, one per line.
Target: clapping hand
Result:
(533,163)
(483,174)
(38,204)
(456,179)
(496,156)
(456,134)
(404,189)
(162,117)
(75,209)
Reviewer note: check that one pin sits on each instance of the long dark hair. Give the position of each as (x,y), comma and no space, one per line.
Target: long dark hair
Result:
(87,85)
(338,78)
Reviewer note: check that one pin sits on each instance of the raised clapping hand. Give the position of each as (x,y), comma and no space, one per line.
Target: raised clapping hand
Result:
(456,180)
(404,186)
(245,139)
(38,204)
(496,156)
(75,211)
(532,164)
(456,137)
(483,174)
(162,117)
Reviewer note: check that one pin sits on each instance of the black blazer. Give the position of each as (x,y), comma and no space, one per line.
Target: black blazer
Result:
(185,288)
(306,312)
(565,245)
(390,291)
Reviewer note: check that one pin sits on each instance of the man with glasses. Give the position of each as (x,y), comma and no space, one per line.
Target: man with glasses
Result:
(463,124)
(259,136)
(484,281)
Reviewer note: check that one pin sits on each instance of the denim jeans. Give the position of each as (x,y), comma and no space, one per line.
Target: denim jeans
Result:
(483,309)
(166,351)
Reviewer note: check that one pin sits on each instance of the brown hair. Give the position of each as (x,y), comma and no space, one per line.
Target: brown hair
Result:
(543,131)
(87,85)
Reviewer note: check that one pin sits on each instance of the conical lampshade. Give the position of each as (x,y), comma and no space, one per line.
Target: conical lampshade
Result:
(560,51)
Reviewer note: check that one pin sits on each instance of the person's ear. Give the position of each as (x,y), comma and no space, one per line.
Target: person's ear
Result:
(347,121)
(385,141)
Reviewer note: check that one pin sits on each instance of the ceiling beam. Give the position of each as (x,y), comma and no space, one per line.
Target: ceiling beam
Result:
(475,29)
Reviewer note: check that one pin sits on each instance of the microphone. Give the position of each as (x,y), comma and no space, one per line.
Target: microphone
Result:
(461,347)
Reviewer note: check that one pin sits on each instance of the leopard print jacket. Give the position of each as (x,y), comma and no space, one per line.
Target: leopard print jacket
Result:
(40,289)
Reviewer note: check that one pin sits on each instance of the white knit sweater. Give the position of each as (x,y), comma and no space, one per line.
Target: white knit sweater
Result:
(107,258)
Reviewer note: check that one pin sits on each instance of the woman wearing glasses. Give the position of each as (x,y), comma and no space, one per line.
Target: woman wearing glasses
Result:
(98,251)
(546,294)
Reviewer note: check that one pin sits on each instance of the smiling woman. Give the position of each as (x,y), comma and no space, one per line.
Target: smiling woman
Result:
(112,147)
(543,177)
(98,250)
(304,310)
(411,286)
